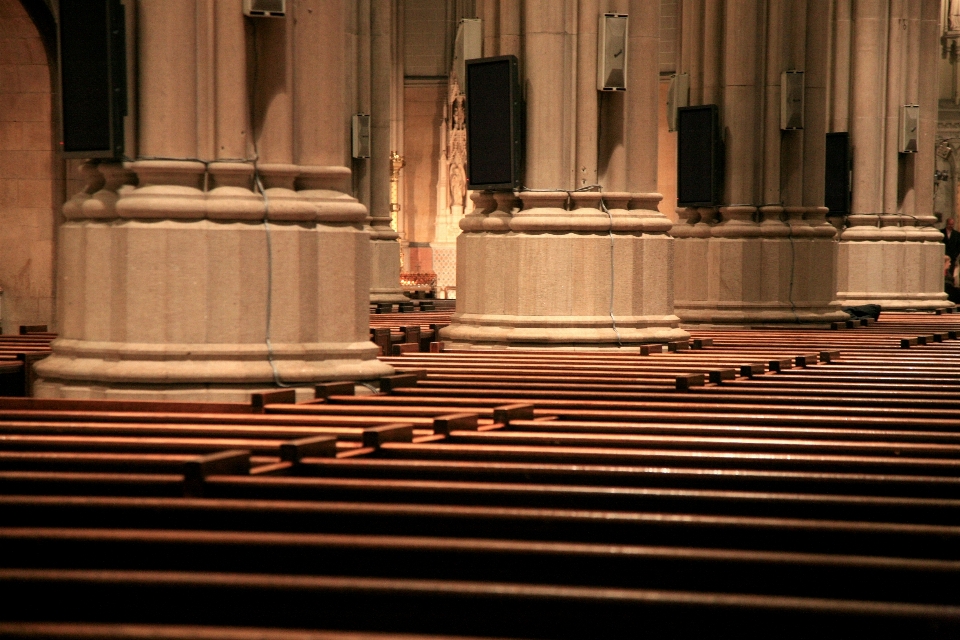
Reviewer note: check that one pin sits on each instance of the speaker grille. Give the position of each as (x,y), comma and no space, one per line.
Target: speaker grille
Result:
(699,156)
(494,133)
(612,54)
(92,78)
(836,184)
(909,123)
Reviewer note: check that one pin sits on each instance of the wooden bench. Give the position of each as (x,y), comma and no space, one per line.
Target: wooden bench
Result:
(803,496)
(451,607)
(26,349)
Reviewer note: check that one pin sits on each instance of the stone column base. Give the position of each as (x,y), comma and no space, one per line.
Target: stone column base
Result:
(178,308)
(757,313)
(904,303)
(492,331)
(176,393)
(85,369)
(897,275)
(739,271)
(541,276)
(385,271)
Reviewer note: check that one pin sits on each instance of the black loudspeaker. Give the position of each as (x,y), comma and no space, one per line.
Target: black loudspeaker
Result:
(494,124)
(836,184)
(93,78)
(700,156)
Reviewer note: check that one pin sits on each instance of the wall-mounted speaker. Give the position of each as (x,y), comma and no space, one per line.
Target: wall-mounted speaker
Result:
(361,135)
(700,156)
(678,96)
(91,42)
(467,46)
(265,8)
(791,100)
(909,122)
(836,183)
(494,109)
(612,52)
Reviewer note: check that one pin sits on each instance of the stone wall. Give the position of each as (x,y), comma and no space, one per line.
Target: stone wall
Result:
(30,188)
(423,146)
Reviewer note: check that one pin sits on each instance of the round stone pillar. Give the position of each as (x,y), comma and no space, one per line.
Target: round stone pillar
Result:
(177,279)
(550,266)
(767,254)
(889,253)
(384,239)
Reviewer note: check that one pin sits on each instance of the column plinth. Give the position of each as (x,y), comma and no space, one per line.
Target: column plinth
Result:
(166,299)
(897,265)
(739,271)
(541,276)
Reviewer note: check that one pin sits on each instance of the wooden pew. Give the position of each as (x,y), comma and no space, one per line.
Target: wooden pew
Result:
(517,561)
(107,631)
(581,515)
(27,349)
(464,607)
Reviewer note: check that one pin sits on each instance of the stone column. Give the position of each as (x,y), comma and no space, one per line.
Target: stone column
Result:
(384,240)
(930,262)
(361,166)
(699,24)
(613,135)
(840,49)
(550,265)
(838,118)
(777,182)
(642,106)
(691,40)
(816,113)
(587,101)
(766,254)
(820,280)
(167,268)
(508,29)
(886,257)
(712,40)
(489,11)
